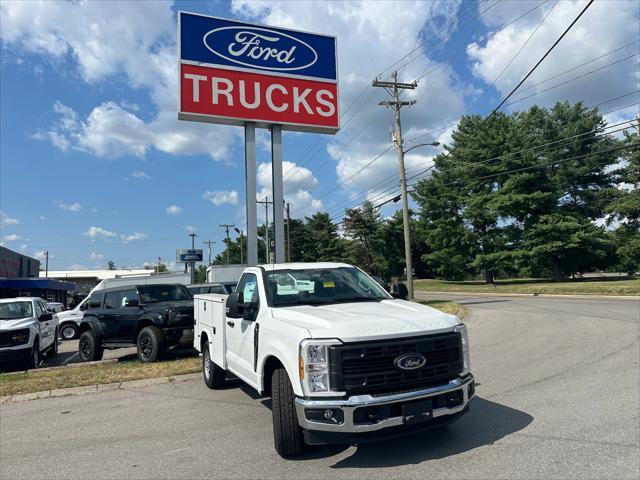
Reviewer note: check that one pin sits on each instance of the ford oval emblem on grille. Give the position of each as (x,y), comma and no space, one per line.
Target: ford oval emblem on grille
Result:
(410,361)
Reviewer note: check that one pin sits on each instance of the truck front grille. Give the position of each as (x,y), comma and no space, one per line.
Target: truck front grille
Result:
(13,338)
(368,367)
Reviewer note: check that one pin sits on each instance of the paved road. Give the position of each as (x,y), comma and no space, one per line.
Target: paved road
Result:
(558,398)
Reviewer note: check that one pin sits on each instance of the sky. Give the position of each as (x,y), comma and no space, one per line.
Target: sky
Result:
(95,166)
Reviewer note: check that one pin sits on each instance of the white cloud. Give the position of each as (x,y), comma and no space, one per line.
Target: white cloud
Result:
(7,220)
(77,266)
(174,210)
(96,256)
(98,232)
(221,197)
(139,174)
(190,229)
(71,207)
(392,27)
(108,40)
(23,247)
(605,26)
(42,255)
(12,238)
(137,236)
(298,182)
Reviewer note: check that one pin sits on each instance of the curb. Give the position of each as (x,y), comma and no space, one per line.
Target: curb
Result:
(542,295)
(76,391)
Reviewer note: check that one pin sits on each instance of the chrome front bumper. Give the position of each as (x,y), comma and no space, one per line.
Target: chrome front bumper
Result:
(349,405)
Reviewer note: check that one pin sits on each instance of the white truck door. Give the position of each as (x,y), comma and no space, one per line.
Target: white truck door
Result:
(240,334)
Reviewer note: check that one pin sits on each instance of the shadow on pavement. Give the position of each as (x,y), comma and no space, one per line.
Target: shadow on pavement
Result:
(486,423)
(463,302)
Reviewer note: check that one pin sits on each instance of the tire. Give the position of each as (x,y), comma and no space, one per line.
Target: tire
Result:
(287,434)
(214,376)
(34,361)
(151,344)
(68,331)
(53,351)
(89,349)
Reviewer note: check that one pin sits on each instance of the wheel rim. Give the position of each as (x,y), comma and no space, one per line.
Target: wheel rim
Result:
(146,348)
(207,364)
(68,333)
(85,348)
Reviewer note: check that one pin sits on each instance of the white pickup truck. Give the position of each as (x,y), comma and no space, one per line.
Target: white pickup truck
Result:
(341,359)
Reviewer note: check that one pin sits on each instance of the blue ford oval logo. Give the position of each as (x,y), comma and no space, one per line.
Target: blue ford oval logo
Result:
(260,48)
(410,361)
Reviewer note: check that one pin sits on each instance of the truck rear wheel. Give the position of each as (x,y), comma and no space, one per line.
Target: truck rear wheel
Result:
(287,434)
(151,344)
(214,376)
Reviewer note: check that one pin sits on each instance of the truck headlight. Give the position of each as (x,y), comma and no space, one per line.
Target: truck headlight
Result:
(466,358)
(313,361)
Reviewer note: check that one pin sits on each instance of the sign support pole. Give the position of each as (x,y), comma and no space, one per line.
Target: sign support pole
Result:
(250,192)
(278,193)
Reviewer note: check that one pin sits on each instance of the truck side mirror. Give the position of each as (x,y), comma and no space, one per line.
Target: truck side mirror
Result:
(235,305)
(399,290)
(45,317)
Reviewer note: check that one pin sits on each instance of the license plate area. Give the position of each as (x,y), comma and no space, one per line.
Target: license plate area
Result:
(416,412)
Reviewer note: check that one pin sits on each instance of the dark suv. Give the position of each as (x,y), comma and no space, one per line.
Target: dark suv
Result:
(151,317)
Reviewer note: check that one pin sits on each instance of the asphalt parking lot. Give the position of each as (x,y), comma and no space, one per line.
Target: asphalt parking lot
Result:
(558,397)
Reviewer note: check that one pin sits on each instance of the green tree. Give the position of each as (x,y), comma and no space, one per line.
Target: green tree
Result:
(111,265)
(322,243)
(485,209)
(364,226)
(624,206)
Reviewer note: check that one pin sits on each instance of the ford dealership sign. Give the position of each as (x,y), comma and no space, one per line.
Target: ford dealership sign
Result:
(233,72)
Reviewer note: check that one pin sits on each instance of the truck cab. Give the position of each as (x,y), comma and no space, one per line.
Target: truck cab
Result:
(343,361)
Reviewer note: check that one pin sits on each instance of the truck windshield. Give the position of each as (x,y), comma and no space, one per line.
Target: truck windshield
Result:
(163,293)
(15,310)
(322,286)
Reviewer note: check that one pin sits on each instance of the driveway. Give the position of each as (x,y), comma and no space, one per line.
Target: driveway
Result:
(558,397)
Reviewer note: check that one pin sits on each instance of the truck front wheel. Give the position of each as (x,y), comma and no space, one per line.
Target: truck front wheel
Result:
(89,348)
(287,434)
(214,376)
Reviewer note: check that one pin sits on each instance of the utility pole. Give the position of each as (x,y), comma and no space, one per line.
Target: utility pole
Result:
(239,232)
(46,264)
(159,263)
(288,209)
(395,88)
(227,227)
(193,264)
(209,243)
(266,204)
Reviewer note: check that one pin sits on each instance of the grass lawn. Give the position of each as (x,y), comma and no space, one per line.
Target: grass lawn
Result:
(35,381)
(446,307)
(541,286)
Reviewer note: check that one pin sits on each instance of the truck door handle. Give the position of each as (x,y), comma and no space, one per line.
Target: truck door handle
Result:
(230,323)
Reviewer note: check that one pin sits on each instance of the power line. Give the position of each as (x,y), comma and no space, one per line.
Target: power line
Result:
(393,190)
(542,59)
(571,80)
(634,145)
(524,44)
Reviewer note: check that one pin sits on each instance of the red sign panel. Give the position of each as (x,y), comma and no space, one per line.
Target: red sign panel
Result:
(236,97)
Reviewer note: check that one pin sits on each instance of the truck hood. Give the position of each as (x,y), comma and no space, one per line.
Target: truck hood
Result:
(364,321)
(17,323)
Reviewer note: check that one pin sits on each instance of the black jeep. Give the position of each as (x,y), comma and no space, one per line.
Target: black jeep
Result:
(151,317)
